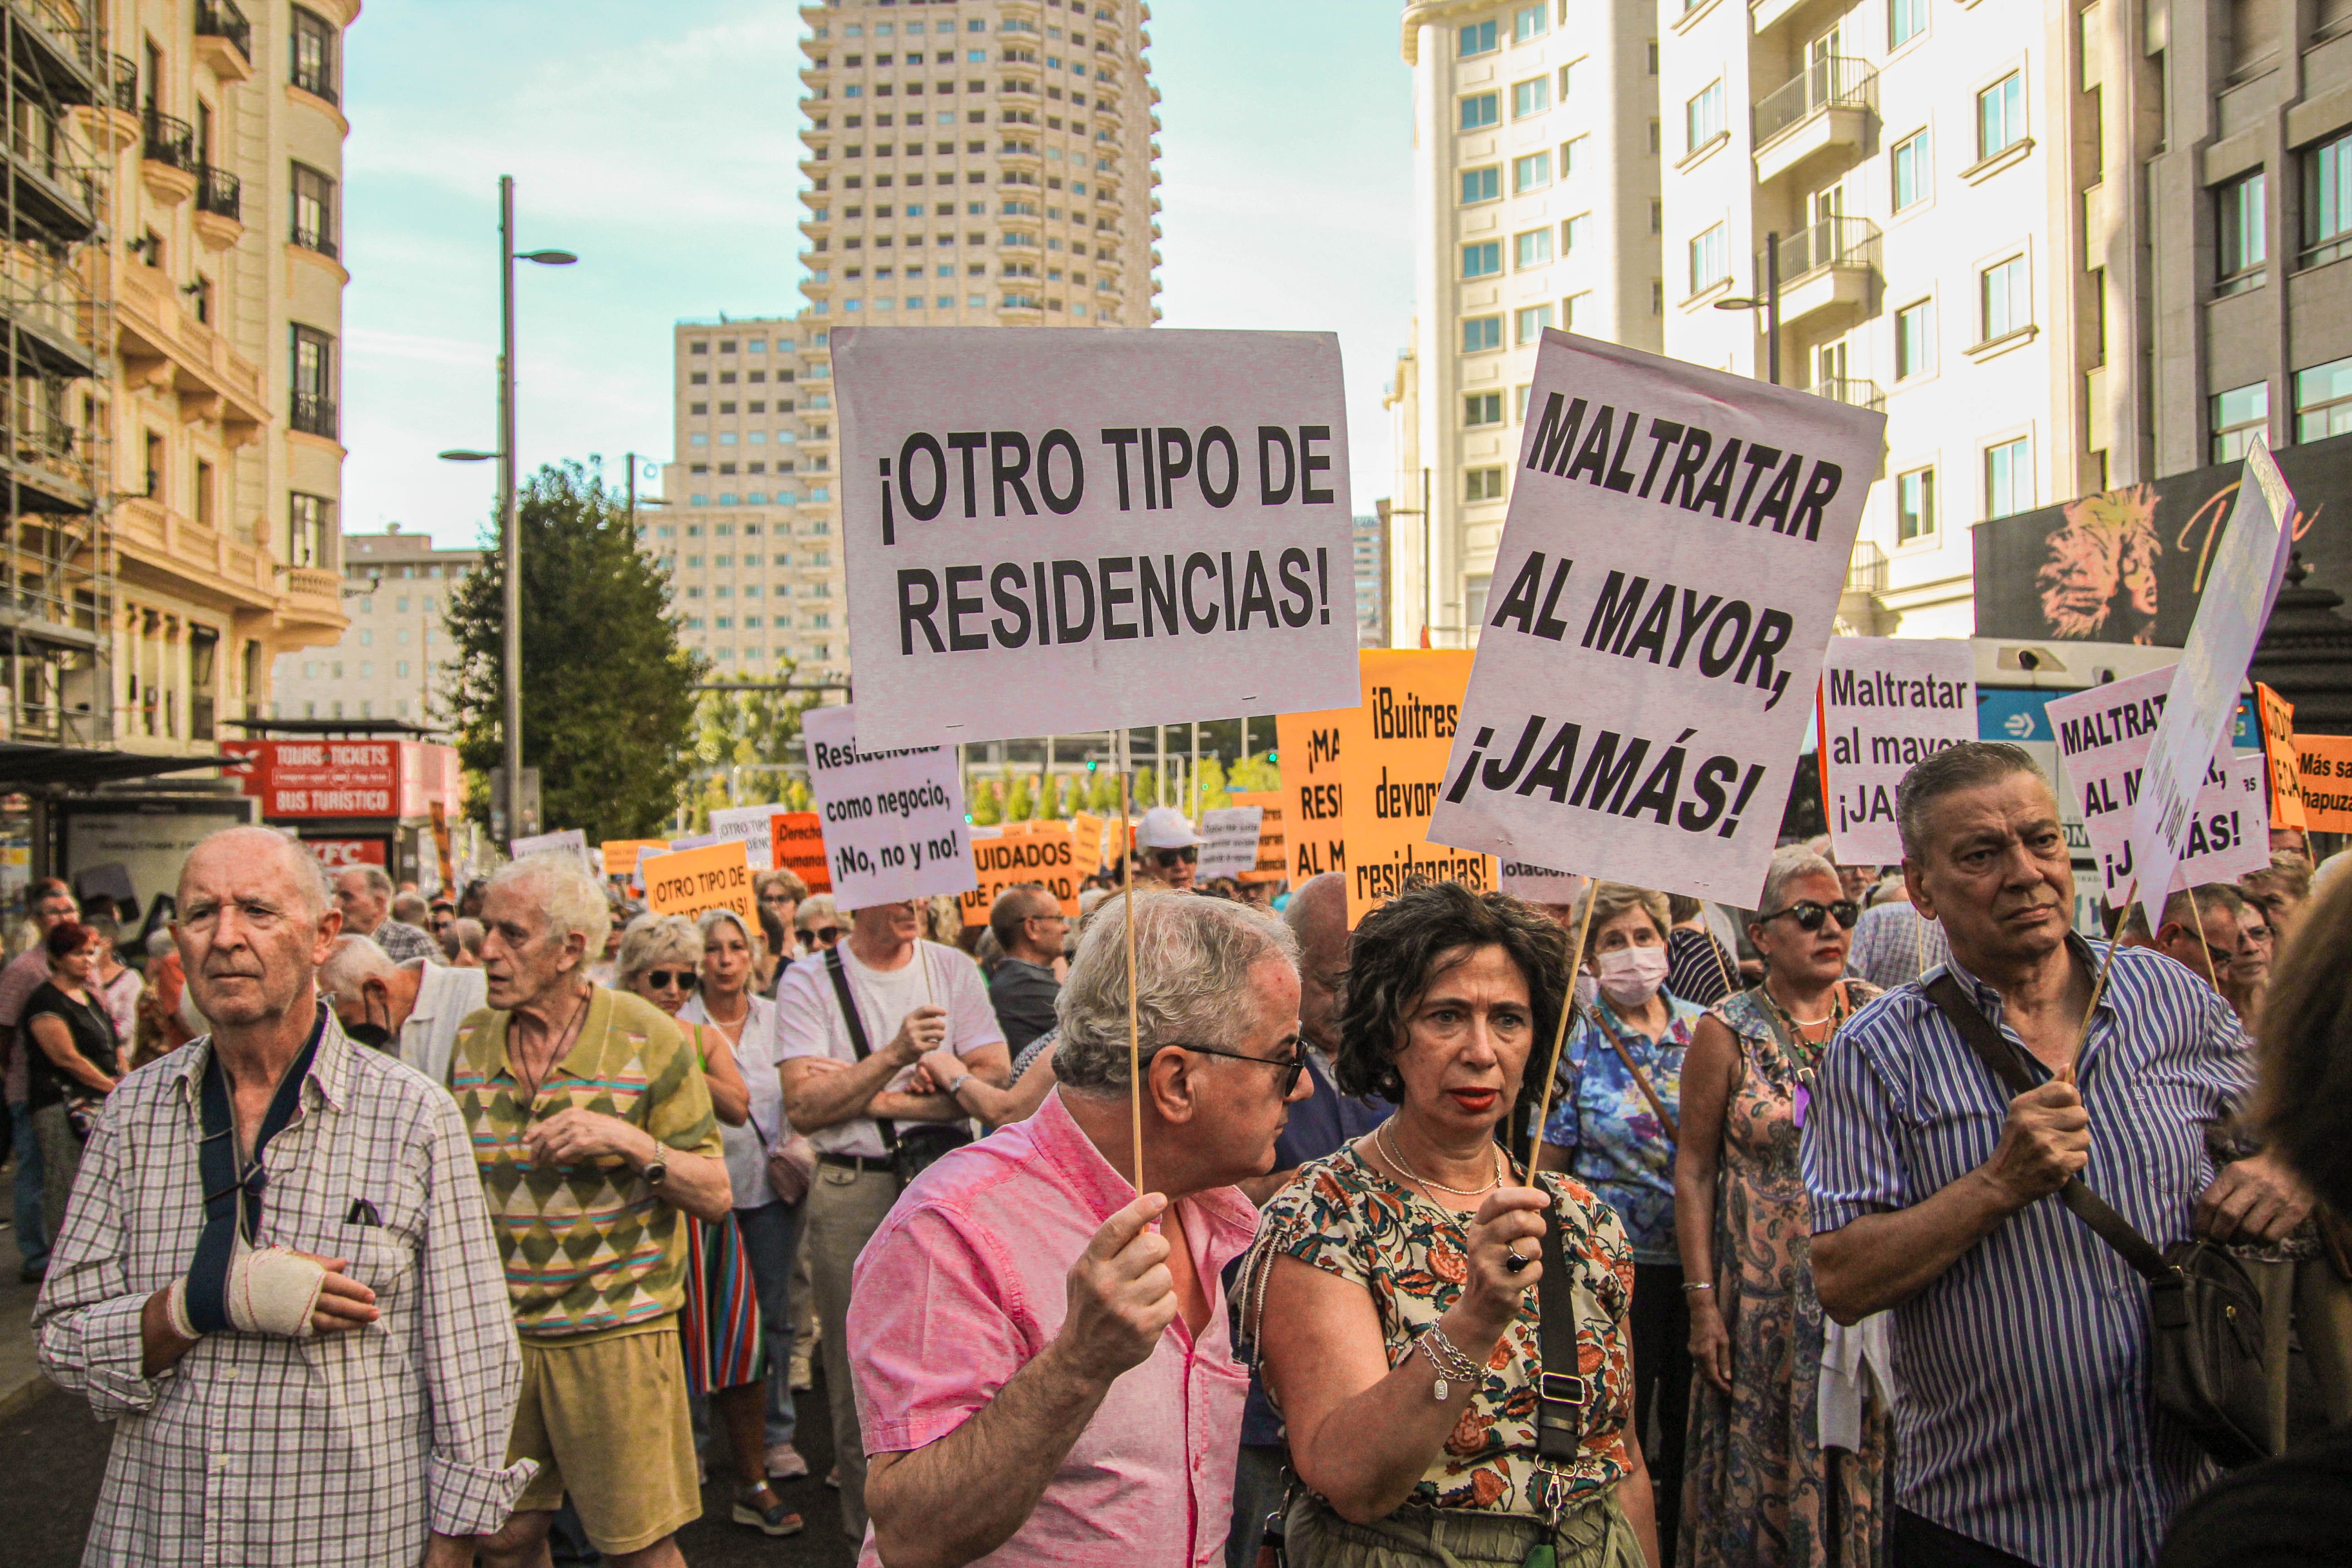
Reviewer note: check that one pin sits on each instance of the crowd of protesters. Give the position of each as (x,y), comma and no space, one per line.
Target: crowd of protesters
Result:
(398,1230)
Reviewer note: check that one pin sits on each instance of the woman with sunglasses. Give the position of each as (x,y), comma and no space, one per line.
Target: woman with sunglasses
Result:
(661,959)
(1613,1126)
(1392,1293)
(1761,1485)
(816,924)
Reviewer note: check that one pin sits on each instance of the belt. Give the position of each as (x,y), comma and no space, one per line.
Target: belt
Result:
(855,1162)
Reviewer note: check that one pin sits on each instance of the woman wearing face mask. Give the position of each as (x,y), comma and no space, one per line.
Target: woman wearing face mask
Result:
(1765,1486)
(1612,1125)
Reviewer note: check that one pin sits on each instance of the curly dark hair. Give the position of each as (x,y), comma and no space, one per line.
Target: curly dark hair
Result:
(1403,946)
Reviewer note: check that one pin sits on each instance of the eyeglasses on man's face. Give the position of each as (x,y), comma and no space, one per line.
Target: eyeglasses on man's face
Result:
(1290,1065)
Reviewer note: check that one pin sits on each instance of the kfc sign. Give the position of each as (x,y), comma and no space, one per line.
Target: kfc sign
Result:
(342,854)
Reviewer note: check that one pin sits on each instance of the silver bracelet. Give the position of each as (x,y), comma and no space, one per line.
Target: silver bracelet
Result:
(1689,1286)
(1453,1365)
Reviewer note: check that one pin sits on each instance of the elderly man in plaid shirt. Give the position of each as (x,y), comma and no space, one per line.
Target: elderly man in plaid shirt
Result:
(277,1277)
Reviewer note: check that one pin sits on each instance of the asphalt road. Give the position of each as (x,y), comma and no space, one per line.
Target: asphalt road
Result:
(56,1455)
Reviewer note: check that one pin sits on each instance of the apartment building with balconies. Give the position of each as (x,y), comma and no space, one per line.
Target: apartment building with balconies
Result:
(1535,197)
(219,429)
(967,163)
(392,659)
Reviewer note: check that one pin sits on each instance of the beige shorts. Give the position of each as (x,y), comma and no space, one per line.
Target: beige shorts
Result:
(607,1419)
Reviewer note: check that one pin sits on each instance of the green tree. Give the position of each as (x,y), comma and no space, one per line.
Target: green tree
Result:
(607,705)
(756,732)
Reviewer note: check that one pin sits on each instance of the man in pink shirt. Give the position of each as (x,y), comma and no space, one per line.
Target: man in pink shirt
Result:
(1041,1375)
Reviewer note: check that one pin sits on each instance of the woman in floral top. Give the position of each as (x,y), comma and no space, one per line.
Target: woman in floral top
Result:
(1390,1296)
(1609,1131)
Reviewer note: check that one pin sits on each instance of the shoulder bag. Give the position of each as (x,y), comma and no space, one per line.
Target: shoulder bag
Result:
(2205,1317)
(913,1150)
(1562,1392)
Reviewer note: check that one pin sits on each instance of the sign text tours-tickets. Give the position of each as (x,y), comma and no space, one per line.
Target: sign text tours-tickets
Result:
(1055,531)
(1676,543)
(893,818)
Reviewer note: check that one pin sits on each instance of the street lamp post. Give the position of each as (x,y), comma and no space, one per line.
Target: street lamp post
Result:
(1769,304)
(509,535)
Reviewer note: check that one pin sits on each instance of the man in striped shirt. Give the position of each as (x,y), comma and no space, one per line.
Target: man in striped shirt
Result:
(2025,1433)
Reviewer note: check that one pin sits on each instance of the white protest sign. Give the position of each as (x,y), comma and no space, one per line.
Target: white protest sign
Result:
(1229,841)
(2240,586)
(1538,885)
(571,841)
(893,820)
(755,826)
(1055,531)
(1668,571)
(2103,736)
(1886,703)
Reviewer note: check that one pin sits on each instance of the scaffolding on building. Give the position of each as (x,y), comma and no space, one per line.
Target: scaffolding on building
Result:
(68,109)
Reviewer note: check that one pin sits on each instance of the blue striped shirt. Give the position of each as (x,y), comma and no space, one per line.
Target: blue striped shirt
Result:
(2023,1417)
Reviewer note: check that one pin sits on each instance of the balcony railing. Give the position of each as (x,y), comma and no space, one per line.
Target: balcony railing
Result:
(1866,574)
(1854,392)
(1833,242)
(222,19)
(315,79)
(169,140)
(312,237)
(313,414)
(220,193)
(125,74)
(1833,81)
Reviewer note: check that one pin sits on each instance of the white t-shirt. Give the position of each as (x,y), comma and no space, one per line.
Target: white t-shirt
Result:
(746,1147)
(809,1023)
(445,996)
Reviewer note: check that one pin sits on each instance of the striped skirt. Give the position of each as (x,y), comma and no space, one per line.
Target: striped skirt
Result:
(721,1328)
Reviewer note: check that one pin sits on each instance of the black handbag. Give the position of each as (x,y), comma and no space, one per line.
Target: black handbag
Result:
(916,1149)
(2205,1317)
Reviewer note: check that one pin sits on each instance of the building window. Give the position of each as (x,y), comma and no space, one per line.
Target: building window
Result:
(1566,79)
(2244,235)
(314,211)
(2001,116)
(1530,22)
(1480,334)
(314,54)
(1575,233)
(2328,202)
(1482,408)
(1481,186)
(2236,417)
(1532,249)
(2002,302)
(1483,259)
(1915,505)
(1909,164)
(1710,259)
(312,397)
(2008,479)
(1570,153)
(2323,400)
(309,523)
(1905,20)
(1574,309)
(1530,97)
(1703,116)
(1477,39)
(1482,484)
(1530,323)
(1914,341)
(1532,173)
(1479,111)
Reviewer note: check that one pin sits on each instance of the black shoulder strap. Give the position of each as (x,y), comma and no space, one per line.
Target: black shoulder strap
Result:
(232,1197)
(1561,1392)
(2000,1058)
(858,1043)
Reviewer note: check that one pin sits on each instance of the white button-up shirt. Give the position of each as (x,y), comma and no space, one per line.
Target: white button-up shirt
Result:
(445,996)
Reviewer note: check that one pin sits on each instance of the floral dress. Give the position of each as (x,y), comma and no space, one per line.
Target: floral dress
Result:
(1758,1489)
(1347,1219)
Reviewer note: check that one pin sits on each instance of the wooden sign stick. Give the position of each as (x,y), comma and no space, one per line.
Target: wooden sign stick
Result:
(1134,1037)
(1560,1035)
(2131,896)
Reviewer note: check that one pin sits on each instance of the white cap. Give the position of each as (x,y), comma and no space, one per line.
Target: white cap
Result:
(1164,827)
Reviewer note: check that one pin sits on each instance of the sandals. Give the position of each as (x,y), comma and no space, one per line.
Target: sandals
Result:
(772,1518)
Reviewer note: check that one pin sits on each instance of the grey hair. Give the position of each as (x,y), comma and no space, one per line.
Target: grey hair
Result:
(1193,959)
(710,920)
(310,880)
(1789,862)
(378,881)
(464,935)
(350,963)
(652,939)
(1968,765)
(564,892)
(411,908)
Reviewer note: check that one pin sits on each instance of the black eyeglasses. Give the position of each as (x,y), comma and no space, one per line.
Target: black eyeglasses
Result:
(1174,857)
(672,979)
(1811,913)
(1291,1065)
(822,935)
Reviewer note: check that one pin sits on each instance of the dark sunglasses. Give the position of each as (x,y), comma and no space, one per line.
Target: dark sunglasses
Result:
(1172,856)
(1810,915)
(672,979)
(828,935)
(1291,1065)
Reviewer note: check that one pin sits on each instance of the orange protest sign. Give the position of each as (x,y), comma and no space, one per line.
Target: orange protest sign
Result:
(1046,853)
(2277,718)
(796,844)
(715,877)
(2324,775)
(1271,865)
(621,855)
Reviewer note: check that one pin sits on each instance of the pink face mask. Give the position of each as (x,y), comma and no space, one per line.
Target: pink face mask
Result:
(1629,976)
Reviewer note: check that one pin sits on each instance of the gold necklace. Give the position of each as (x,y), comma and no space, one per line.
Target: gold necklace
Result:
(1388,1147)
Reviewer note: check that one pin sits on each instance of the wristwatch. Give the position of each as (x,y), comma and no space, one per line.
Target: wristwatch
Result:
(961,1079)
(657,1171)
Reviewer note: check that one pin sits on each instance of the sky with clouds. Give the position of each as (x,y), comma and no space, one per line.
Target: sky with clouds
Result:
(659,141)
